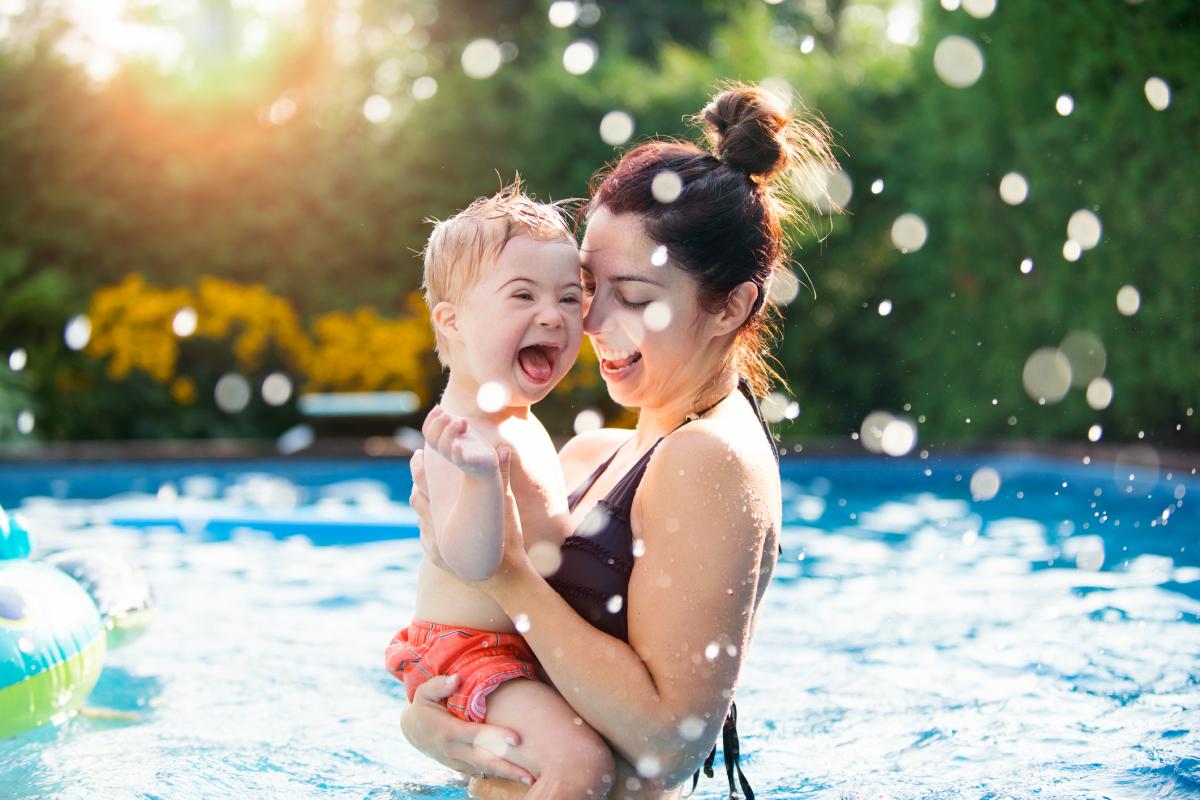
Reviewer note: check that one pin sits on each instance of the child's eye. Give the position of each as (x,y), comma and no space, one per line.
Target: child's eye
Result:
(523,296)
(571,299)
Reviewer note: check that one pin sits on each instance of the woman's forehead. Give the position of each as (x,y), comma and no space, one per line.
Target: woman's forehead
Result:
(617,242)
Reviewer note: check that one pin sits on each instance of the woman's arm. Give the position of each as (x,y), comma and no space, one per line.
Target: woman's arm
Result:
(691,603)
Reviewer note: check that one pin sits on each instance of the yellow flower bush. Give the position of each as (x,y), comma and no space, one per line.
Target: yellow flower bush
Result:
(133,328)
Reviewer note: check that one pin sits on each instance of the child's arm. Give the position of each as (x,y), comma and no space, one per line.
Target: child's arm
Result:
(469,531)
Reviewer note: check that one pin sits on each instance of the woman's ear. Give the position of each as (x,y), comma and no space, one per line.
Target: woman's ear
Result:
(445,318)
(737,310)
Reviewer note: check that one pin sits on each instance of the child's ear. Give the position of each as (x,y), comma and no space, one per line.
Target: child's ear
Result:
(445,318)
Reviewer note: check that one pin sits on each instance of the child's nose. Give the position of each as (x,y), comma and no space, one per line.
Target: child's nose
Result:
(550,318)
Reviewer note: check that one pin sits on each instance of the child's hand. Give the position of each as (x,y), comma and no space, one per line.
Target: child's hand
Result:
(457,442)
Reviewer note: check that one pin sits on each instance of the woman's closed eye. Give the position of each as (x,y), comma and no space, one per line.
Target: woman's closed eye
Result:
(630,303)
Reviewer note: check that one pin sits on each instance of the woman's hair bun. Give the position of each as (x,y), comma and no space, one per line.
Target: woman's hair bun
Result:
(748,130)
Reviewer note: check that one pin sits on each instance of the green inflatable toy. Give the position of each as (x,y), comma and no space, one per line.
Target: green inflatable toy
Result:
(58,617)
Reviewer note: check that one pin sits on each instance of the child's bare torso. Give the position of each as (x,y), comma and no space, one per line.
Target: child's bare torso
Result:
(537,484)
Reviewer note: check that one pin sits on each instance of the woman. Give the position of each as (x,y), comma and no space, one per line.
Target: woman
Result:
(645,624)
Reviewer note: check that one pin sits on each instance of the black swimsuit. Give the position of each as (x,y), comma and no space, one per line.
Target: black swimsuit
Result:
(597,560)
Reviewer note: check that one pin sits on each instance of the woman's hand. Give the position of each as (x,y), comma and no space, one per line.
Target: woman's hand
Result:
(468,747)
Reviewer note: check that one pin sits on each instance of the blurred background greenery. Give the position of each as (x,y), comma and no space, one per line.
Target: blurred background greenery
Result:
(211,207)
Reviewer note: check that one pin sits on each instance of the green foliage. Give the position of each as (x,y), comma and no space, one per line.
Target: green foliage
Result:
(263,169)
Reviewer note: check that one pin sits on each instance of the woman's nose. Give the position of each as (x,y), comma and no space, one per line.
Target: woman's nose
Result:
(594,316)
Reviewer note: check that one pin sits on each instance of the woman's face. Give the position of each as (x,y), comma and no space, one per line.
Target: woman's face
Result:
(642,315)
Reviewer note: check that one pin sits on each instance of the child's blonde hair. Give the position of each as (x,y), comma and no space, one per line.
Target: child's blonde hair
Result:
(460,247)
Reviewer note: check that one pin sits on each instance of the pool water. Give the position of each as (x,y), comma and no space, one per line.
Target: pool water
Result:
(916,642)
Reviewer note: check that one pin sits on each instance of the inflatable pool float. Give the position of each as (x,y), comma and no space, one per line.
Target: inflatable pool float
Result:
(58,617)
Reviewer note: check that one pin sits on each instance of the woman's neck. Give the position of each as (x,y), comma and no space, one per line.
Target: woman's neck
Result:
(655,423)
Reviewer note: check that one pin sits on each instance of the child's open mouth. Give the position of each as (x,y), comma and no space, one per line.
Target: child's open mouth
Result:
(537,361)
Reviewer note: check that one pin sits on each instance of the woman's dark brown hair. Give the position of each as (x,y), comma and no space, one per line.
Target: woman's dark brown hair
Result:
(725,227)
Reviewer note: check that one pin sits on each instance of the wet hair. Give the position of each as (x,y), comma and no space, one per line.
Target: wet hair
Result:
(725,226)
(461,247)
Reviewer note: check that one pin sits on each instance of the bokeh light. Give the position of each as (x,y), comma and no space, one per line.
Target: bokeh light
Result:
(1095,432)
(774,407)
(580,56)
(909,233)
(546,558)
(1064,105)
(563,13)
(877,186)
(1014,189)
(276,389)
(1099,394)
(666,186)
(424,87)
(958,61)
(1158,94)
(481,58)
(657,316)
(377,108)
(660,256)
(616,128)
(588,420)
(232,393)
(1087,355)
(980,9)
(899,437)
(25,422)
(1129,300)
(1047,375)
(885,307)
(491,397)
(1084,227)
(17,359)
(78,332)
(1026,265)
(985,483)
(1072,250)
(184,322)
(783,288)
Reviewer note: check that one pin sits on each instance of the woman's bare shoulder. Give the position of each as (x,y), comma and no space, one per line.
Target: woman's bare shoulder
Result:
(586,451)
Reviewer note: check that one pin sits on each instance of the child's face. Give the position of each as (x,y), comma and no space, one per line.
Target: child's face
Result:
(520,326)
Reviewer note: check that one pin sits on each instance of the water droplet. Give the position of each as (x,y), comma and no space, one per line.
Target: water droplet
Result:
(712,651)
(1014,189)
(1099,394)
(660,256)
(958,61)
(980,9)
(481,58)
(657,316)
(639,548)
(491,741)
(491,397)
(1064,105)
(877,186)
(563,13)
(184,322)
(615,604)
(78,332)
(649,767)
(1072,250)
(1027,265)
(1047,375)
(276,389)
(17,359)
(985,483)
(377,108)
(616,128)
(232,393)
(25,422)
(1129,300)
(691,728)
(1084,227)
(909,233)
(885,308)
(588,420)
(666,186)
(1158,93)
(521,623)
(424,87)
(546,558)
(580,56)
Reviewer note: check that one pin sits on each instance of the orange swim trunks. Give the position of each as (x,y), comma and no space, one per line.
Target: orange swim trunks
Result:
(483,660)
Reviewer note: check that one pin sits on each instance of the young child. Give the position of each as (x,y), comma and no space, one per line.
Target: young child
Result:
(502,283)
